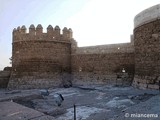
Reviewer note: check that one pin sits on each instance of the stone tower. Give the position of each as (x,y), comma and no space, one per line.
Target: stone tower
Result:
(147,47)
(40,59)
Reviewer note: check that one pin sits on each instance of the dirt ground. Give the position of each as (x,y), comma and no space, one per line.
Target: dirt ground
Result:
(94,102)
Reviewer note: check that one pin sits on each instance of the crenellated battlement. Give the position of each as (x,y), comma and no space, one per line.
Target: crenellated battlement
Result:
(36,33)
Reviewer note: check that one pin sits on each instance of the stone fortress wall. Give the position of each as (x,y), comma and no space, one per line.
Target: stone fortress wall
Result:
(103,63)
(52,59)
(147,48)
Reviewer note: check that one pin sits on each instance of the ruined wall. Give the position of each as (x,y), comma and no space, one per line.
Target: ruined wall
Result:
(147,47)
(103,64)
(40,59)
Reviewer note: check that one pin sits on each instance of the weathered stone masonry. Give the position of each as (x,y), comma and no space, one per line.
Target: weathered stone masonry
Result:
(53,59)
(40,59)
(102,64)
(147,48)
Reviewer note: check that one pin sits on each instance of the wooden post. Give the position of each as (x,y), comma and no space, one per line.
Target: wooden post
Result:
(74,112)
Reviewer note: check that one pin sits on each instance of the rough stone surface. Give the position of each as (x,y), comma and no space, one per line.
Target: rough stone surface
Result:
(146,44)
(39,59)
(102,68)
(147,57)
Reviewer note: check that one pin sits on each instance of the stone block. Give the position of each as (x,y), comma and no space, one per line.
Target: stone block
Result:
(143,81)
(150,86)
(142,86)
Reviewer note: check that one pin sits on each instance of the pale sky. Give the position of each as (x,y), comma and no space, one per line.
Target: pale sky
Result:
(94,22)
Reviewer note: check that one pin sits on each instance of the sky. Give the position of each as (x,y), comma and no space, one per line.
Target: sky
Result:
(94,22)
